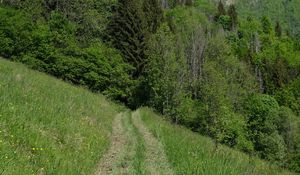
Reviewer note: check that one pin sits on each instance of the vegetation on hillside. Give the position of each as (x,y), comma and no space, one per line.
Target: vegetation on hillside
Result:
(287,12)
(190,153)
(214,68)
(48,126)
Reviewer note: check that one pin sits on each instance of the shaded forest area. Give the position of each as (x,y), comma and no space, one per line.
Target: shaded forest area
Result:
(214,68)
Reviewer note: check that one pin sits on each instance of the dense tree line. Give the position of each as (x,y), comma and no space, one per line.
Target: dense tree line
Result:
(230,77)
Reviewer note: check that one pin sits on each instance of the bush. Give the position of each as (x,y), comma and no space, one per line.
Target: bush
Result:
(272,147)
(289,129)
(225,21)
(51,47)
(290,96)
(263,115)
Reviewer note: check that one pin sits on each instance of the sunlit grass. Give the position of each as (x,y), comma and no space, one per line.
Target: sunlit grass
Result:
(48,126)
(190,153)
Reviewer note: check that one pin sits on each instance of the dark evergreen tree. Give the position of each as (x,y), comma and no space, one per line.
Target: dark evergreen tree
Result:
(127,32)
(266,25)
(278,29)
(189,2)
(153,14)
(233,17)
(221,9)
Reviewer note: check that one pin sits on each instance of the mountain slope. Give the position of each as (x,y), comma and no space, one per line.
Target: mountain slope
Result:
(50,127)
(191,153)
(287,12)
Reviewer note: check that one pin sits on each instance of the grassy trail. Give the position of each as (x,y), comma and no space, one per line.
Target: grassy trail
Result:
(156,160)
(190,153)
(134,150)
(118,141)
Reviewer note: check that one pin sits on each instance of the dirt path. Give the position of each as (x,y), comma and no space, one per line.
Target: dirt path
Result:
(117,159)
(155,159)
(134,150)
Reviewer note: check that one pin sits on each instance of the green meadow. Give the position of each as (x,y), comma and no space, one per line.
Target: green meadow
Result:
(48,126)
(190,153)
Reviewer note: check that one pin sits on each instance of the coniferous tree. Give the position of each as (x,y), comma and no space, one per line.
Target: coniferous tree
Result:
(278,29)
(266,25)
(153,14)
(127,32)
(233,17)
(189,2)
(221,10)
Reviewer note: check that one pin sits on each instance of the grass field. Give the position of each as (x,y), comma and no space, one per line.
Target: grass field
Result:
(48,126)
(190,153)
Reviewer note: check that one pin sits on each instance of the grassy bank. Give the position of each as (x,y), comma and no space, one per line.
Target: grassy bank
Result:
(48,126)
(191,153)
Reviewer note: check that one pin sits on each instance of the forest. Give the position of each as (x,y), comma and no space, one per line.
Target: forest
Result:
(228,70)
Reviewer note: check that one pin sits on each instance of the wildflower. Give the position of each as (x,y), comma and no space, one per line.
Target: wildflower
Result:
(33,149)
(6,157)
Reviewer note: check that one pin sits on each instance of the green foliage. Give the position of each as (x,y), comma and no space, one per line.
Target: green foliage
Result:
(278,29)
(197,63)
(233,16)
(286,12)
(190,153)
(15,31)
(221,9)
(201,102)
(289,128)
(273,59)
(222,90)
(99,68)
(290,96)
(163,72)
(52,47)
(90,16)
(127,32)
(266,25)
(153,13)
(262,113)
(225,21)
(229,19)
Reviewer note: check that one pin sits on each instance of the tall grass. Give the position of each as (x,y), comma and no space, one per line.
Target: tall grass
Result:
(190,153)
(48,126)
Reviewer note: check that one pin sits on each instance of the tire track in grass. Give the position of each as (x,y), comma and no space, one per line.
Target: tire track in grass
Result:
(125,155)
(156,161)
(117,159)
(118,140)
(135,156)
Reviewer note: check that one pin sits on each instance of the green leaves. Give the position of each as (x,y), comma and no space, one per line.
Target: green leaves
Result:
(51,46)
(263,114)
(127,32)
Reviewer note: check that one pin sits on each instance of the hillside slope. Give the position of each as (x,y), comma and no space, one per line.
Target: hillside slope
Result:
(50,127)
(286,12)
(191,153)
